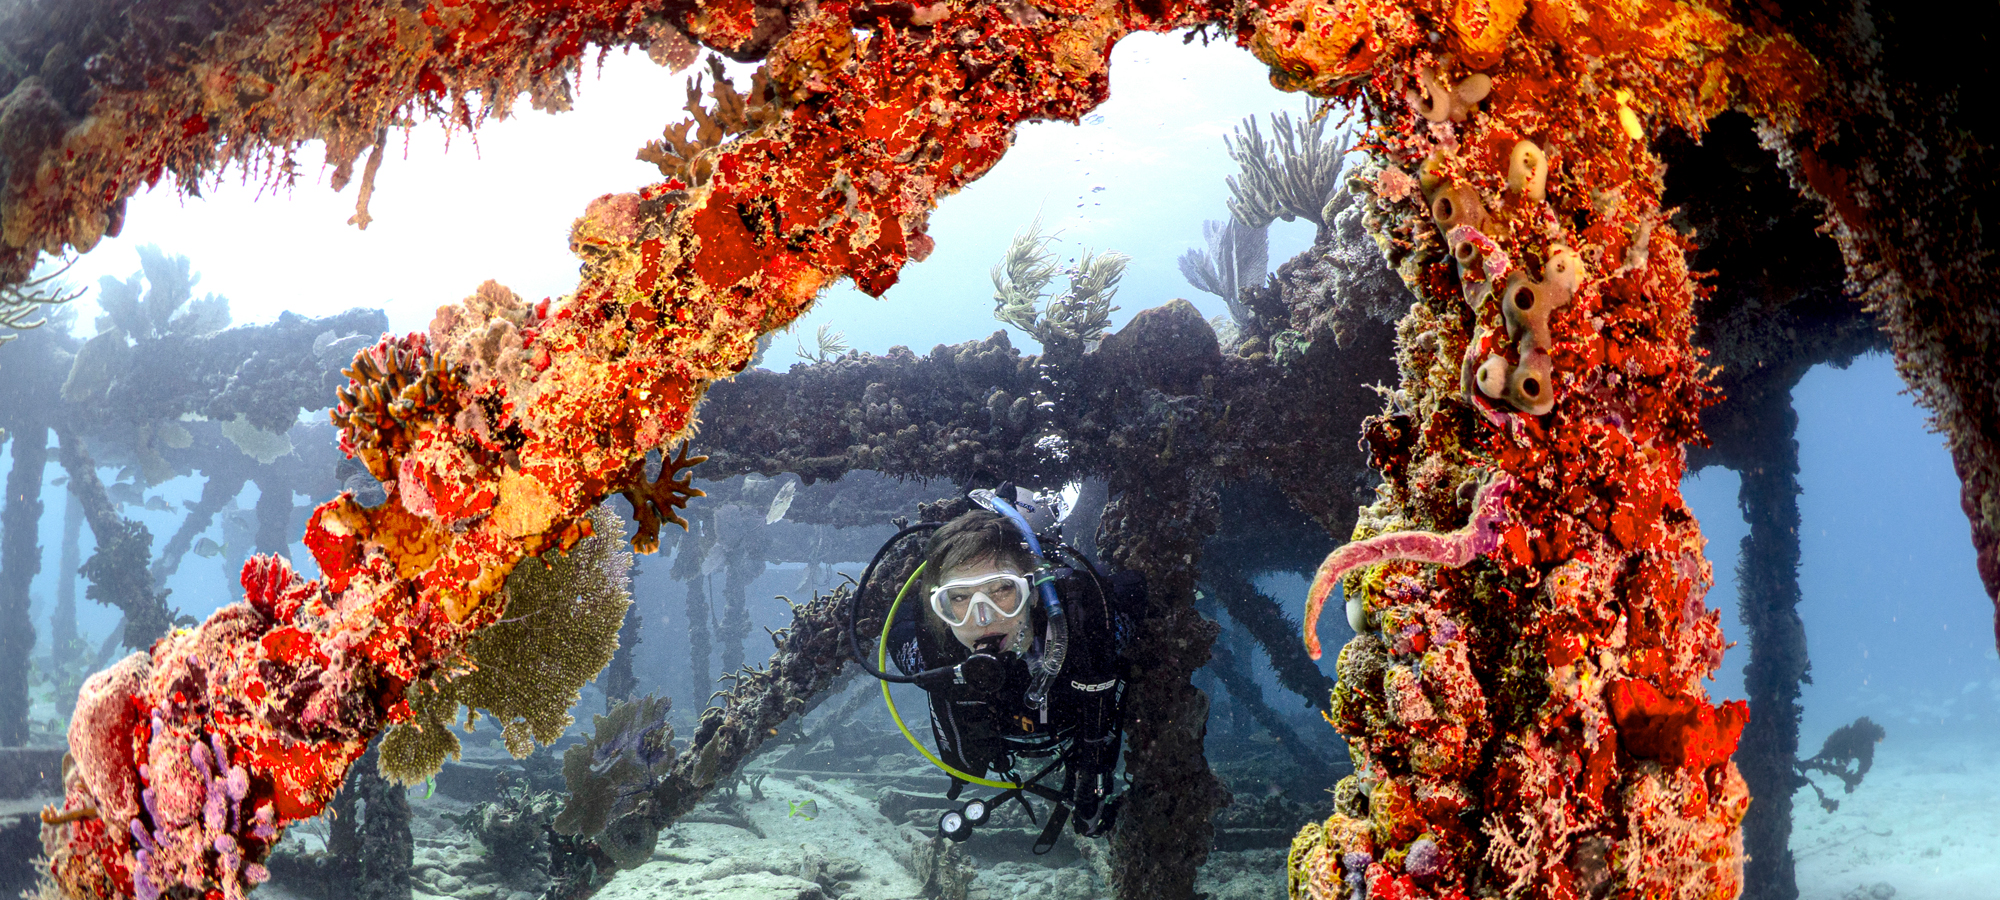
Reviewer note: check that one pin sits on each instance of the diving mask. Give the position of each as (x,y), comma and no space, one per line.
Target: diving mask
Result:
(980,599)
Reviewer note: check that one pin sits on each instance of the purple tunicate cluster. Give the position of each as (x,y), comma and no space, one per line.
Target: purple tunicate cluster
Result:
(1425,860)
(264,827)
(142,879)
(1447,631)
(145,882)
(200,811)
(1356,863)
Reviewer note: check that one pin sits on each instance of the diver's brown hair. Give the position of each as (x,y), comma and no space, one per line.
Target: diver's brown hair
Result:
(971,537)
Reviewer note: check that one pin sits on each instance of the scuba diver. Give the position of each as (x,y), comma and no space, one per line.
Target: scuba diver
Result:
(1018,644)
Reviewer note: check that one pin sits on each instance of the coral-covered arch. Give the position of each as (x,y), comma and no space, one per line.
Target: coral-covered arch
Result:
(499,427)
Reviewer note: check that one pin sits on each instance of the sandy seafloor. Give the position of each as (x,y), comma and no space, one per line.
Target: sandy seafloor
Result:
(848,849)
(1923,825)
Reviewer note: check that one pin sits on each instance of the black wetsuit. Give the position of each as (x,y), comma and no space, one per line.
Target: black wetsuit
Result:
(976,732)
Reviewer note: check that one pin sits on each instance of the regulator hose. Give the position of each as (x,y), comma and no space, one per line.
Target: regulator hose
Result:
(854,607)
(1057,647)
(882,660)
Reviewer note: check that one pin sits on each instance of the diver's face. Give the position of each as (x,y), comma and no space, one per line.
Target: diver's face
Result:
(983,604)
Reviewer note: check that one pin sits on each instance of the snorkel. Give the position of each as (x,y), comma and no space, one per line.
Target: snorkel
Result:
(1057,646)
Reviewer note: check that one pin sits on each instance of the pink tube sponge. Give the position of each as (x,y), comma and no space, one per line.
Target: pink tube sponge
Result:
(1454,549)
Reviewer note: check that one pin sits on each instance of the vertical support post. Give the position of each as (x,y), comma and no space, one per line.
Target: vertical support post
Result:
(1157,526)
(1768,582)
(687,570)
(20,560)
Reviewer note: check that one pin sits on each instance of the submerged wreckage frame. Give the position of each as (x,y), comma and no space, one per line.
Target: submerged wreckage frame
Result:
(1524,701)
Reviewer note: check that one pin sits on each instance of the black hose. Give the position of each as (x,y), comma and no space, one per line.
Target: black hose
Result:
(854,606)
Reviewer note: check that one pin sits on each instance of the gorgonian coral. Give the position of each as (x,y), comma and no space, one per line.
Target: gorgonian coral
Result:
(559,629)
(629,749)
(679,155)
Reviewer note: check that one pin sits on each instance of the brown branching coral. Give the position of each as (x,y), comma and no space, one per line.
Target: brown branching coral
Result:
(681,156)
(397,383)
(654,502)
(558,630)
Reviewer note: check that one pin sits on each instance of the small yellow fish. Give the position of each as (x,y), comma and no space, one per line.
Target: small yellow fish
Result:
(807,809)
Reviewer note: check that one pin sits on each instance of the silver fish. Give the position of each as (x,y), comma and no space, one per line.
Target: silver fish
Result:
(781,503)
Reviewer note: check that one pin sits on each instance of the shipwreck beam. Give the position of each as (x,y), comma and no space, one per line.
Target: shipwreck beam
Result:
(1917,239)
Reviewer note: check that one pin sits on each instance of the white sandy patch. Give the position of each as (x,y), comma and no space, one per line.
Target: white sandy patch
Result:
(1924,822)
(797,858)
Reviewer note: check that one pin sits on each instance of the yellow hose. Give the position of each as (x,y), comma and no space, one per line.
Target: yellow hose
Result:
(882,664)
